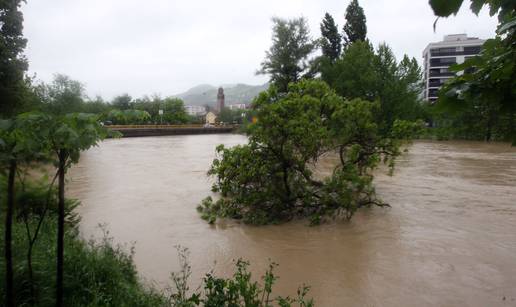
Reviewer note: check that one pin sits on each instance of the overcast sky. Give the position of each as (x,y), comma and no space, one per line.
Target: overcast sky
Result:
(167,46)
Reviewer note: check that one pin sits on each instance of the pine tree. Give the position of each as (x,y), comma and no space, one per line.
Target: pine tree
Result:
(355,28)
(13,63)
(331,39)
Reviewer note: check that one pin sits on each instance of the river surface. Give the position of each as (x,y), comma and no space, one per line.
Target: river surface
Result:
(448,240)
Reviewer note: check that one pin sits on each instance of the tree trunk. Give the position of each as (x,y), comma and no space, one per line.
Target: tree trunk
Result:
(9,295)
(489,129)
(60,229)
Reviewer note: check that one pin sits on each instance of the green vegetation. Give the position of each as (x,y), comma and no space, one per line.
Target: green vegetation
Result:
(65,95)
(239,290)
(481,102)
(271,179)
(355,28)
(287,59)
(13,63)
(365,110)
(35,137)
(331,41)
(95,274)
(362,72)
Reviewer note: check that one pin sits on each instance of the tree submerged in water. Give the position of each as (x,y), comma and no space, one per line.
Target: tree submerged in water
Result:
(271,179)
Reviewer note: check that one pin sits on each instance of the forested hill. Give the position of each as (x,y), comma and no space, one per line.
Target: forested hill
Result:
(206,94)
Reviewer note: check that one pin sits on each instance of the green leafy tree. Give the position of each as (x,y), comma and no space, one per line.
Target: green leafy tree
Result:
(287,60)
(354,74)
(68,136)
(376,75)
(486,88)
(331,44)
(122,102)
(355,28)
(174,111)
(64,95)
(398,88)
(13,63)
(96,106)
(128,117)
(270,179)
(21,141)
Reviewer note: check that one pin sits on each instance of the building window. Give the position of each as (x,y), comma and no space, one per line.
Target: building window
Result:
(442,62)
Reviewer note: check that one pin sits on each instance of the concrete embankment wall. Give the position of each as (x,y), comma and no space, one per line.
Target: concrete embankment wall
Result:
(139,132)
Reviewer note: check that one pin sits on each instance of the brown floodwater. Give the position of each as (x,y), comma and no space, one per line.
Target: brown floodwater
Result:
(448,240)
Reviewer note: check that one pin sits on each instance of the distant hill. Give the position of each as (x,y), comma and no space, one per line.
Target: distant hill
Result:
(206,94)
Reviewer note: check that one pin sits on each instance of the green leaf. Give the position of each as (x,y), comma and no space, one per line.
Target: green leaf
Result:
(476,5)
(6,124)
(445,8)
(506,26)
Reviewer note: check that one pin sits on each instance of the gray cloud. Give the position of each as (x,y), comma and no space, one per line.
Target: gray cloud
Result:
(166,46)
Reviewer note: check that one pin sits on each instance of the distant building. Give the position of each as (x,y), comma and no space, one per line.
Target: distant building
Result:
(439,56)
(220,99)
(195,110)
(210,118)
(237,106)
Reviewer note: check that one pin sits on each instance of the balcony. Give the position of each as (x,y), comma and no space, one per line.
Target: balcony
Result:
(441,72)
(433,92)
(442,62)
(436,82)
(473,50)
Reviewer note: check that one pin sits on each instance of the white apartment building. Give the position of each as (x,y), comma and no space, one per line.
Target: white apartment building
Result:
(439,56)
(195,110)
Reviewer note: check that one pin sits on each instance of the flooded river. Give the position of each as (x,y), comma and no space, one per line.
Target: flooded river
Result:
(448,240)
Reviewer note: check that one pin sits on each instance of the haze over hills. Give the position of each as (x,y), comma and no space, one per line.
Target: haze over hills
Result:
(205,94)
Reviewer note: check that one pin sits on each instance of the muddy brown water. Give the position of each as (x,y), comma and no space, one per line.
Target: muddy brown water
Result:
(448,240)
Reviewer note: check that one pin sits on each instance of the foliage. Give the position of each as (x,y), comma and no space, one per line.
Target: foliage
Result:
(271,179)
(486,87)
(354,74)
(444,8)
(96,273)
(26,139)
(64,95)
(126,117)
(287,59)
(13,63)
(240,290)
(174,111)
(227,115)
(398,88)
(122,102)
(331,44)
(355,28)
(364,73)
(73,133)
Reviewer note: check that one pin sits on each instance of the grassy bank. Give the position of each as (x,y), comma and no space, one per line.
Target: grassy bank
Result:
(95,274)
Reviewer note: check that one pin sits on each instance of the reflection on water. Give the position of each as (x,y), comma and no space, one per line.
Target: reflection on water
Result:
(448,240)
